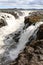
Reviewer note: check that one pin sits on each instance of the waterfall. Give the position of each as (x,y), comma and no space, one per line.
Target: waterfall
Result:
(24,38)
(10,47)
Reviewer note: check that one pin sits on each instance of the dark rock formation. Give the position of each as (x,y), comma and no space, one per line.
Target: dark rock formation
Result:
(34,17)
(40,32)
(2,23)
(17,37)
(27,21)
(14,14)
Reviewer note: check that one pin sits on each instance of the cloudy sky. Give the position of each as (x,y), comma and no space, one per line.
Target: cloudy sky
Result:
(21,4)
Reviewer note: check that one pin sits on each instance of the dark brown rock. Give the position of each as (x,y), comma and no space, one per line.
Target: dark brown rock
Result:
(34,17)
(40,32)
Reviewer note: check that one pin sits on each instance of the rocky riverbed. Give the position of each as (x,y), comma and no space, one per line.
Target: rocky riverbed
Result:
(21,39)
(33,52)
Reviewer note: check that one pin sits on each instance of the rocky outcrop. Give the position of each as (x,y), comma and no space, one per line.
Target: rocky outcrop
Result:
(33,52)
(34,17)
(40,32)
(2,23)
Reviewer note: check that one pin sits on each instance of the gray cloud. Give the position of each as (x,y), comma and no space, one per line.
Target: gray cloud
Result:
(22,3)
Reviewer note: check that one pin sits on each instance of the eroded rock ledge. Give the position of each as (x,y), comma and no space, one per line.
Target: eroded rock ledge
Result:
(34,17)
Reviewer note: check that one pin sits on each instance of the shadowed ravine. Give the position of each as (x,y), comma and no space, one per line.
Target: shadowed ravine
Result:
(13,37)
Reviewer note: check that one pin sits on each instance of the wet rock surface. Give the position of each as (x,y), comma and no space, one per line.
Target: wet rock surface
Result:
(33,52)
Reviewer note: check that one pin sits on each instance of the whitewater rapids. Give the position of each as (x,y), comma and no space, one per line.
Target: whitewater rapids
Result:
(6,50)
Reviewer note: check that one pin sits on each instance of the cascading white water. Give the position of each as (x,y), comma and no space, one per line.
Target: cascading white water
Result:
(24,38)
(14,25)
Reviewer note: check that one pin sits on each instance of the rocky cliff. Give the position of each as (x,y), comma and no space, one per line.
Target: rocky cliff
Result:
(33,52)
